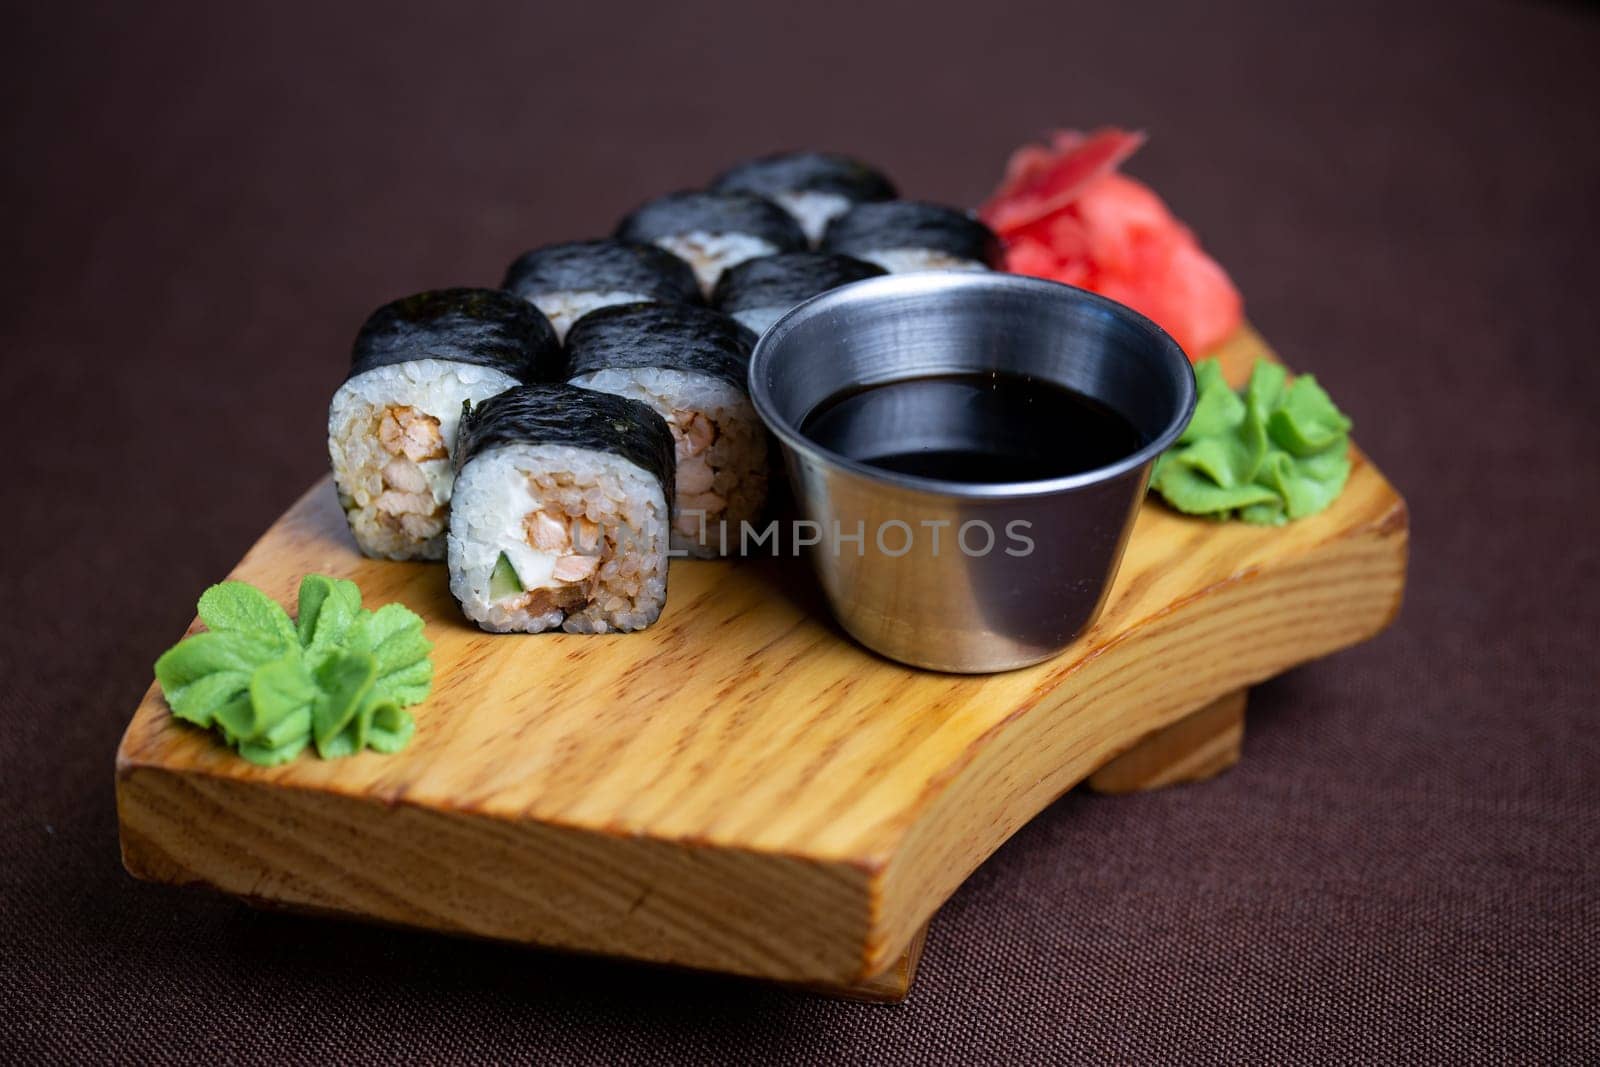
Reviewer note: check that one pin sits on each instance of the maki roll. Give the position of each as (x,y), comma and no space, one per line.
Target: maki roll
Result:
(713,231)
(392,424)
(690,365)
(759,291)
(814,187)
(567,281)
(561,509)
(904,235)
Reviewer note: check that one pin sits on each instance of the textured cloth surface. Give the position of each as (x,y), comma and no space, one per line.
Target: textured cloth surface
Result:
(206,200)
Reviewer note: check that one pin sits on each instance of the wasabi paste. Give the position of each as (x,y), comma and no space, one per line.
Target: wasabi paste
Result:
(340,677)
(1277,451)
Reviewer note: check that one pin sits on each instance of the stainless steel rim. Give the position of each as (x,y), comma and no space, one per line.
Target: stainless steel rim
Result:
(932,282)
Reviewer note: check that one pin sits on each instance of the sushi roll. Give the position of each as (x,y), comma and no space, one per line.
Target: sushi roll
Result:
(392,424)
(713,231)
(563,498)
(814,187)
(904,235)
(759,291)
(689,364)
(567,281)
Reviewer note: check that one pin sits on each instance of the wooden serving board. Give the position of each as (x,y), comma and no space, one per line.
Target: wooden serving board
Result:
(741,788)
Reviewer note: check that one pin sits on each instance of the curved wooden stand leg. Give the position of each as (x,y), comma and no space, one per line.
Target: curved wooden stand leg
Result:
(1196,747)
(887,988)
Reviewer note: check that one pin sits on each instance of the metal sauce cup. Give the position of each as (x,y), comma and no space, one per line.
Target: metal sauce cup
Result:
(952,597)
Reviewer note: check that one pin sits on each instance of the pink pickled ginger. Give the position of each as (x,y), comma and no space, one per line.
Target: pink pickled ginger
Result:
(1065,213)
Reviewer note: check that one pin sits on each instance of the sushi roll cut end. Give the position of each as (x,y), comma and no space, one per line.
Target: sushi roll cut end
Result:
(714,231)
(689,365)
(567,281)
(390,432)
(761,291)
(392,423)
(903,235)
(814,187)
(561,512)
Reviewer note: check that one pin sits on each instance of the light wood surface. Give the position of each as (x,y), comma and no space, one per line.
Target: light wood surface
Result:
(1198,746)
(739,787)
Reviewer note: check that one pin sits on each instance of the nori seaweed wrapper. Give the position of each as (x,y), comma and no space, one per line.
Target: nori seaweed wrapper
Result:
(807,172)
(603,266)
(579,418)
(662,337)
(787,279)
(483,326)
(738,212)
(899,224)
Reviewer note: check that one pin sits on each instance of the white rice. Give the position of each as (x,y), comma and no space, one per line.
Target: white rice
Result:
(760,319)
(813,211)
(567,306)
(712,253)
(500,490)
(398,507)
(721,482)
(905,260)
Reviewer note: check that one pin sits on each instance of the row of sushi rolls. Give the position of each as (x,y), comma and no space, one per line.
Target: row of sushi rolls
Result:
(559,439)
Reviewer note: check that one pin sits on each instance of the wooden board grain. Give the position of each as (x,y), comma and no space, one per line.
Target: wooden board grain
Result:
(738,788)
(1196,747)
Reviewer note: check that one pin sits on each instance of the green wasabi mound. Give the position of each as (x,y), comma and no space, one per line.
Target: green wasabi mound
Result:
(1277,451)
(339,676)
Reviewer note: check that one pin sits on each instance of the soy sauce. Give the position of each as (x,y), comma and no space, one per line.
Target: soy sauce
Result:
(984,427)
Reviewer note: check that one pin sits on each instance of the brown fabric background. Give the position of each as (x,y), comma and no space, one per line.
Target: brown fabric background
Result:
(204,200)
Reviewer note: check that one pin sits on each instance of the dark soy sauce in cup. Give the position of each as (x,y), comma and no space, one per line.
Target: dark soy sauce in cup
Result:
(989,427)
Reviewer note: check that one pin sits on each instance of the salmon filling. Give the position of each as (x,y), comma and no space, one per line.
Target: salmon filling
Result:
(574,561)
(698,500)
(405,501)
